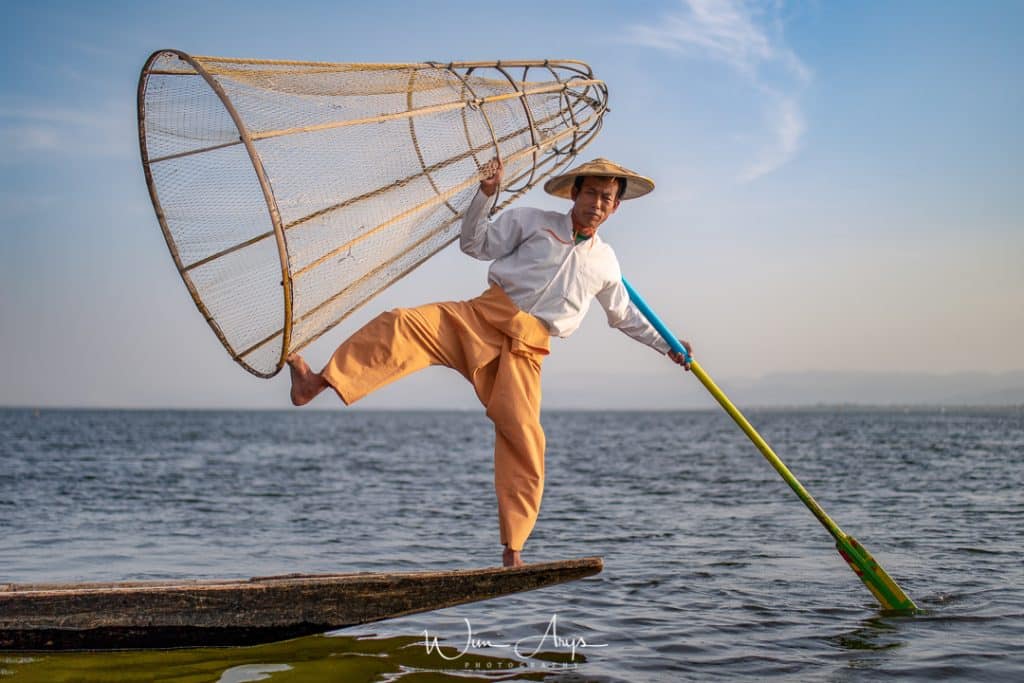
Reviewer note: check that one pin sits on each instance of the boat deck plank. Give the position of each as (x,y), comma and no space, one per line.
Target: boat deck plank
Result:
(247,611)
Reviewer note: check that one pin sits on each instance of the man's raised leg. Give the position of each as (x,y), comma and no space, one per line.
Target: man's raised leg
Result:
(393,344)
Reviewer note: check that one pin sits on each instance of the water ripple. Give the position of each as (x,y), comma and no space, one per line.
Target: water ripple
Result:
(714,571)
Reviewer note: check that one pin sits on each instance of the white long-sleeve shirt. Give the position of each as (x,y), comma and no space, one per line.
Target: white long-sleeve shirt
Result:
(547,275)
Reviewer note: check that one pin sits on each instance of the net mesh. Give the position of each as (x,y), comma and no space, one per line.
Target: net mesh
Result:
(290,193)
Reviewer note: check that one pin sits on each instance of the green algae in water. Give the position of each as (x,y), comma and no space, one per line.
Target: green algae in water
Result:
(310,659)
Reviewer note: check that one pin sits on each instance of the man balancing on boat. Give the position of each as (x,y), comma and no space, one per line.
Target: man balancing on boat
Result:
(547,267)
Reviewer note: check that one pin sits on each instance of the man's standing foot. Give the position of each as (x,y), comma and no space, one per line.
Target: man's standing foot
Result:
(306,384)
(511,558)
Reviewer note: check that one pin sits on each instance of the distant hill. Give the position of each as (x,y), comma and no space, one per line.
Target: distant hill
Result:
(668,391)
(967,388)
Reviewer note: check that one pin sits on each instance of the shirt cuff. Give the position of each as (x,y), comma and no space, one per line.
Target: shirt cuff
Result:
(479,204)
(661,345)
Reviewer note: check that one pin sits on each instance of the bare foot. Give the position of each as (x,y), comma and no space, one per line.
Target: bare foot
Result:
(306,384)
(511,558)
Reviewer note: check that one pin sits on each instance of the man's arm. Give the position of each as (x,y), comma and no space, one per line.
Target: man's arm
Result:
(627,318)
(483,238)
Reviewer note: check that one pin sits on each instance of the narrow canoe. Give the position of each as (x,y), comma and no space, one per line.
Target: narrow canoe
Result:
(162,614)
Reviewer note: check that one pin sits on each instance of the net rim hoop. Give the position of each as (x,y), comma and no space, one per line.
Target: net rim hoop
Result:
(388,65)
(268,195)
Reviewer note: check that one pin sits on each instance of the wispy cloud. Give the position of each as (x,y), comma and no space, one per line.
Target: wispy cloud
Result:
(39,127)
(788,128)
(747,38)
(29,138)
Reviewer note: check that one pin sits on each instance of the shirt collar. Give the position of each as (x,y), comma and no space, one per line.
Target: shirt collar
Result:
(567,228)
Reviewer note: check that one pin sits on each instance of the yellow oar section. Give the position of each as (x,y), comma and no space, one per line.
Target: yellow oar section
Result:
(888,593)
(881,585)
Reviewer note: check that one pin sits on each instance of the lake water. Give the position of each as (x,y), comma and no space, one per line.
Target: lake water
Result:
(713,569)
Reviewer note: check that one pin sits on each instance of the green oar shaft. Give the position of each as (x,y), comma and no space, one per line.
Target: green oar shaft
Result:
(881,585)
(766,450)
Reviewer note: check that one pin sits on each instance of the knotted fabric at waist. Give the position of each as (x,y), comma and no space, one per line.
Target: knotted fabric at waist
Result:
(528,333)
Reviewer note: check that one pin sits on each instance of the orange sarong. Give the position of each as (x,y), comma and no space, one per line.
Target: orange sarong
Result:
(495,346)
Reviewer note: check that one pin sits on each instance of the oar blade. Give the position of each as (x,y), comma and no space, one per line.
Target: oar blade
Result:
(882,586)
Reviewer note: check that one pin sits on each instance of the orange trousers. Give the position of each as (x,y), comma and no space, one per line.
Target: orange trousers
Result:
(495,346)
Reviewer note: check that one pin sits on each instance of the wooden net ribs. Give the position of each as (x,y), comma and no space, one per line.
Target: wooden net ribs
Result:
(561,162)
(426,172)
(381,118)
(225,250)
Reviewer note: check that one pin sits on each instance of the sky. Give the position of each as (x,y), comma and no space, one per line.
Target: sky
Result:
(838,191)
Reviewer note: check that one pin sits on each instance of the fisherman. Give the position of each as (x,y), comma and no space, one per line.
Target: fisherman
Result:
(547,267)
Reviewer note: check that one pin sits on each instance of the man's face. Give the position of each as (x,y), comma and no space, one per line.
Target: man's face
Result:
(596,199)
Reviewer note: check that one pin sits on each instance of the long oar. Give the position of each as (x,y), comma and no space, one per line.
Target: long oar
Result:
(881,585)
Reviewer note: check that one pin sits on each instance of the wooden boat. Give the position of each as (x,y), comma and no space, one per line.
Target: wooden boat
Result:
(161,614)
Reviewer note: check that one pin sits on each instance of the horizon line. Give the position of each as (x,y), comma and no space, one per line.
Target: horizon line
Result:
(346,409)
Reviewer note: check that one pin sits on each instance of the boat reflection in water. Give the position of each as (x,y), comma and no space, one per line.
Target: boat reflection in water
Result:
(310,659)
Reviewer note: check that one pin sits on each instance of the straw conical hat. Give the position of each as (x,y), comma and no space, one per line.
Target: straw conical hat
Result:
(636,184)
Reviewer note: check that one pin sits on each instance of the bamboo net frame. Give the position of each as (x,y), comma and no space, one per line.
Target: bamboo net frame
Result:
(291,193)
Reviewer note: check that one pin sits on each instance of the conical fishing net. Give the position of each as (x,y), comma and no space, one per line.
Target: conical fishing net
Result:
(290,193)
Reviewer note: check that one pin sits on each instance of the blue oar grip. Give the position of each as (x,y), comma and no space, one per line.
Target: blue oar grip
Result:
(653,318)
